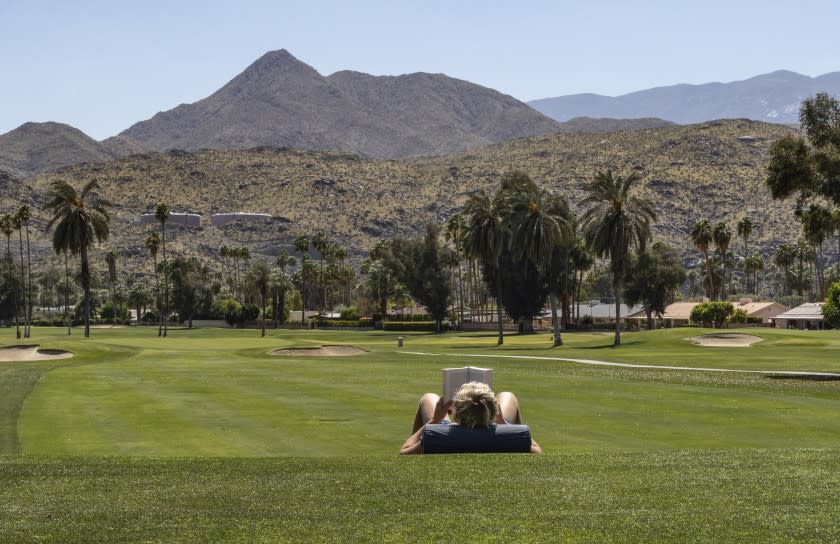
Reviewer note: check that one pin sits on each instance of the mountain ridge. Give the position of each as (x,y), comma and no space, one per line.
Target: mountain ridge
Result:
(771,97)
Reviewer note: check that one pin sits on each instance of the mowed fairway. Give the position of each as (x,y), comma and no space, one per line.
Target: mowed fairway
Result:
(151,437)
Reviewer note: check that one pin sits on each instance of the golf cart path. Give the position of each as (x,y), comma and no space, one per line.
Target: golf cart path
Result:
(628,365)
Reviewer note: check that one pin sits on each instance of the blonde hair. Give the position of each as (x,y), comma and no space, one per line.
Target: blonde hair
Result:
(475,405)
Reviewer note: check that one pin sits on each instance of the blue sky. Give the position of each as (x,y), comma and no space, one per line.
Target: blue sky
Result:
(104,65)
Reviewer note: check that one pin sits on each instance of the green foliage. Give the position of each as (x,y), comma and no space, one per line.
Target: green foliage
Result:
(831,307)
(418,326)
(739,316)
(713,313)
(421,269)
(350,314)
(653,279)
(343,323)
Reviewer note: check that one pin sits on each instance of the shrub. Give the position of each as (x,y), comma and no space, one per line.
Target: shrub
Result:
(418,326)
(350,314)
(343,323)
(712,313)
(739,316)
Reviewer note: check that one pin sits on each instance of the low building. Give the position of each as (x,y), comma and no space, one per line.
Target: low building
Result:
(804,316)
(765,311)
(675,314)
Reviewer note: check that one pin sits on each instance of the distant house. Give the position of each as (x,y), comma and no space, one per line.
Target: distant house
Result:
(766,311)
(600,312)
(804,316)
(675,315)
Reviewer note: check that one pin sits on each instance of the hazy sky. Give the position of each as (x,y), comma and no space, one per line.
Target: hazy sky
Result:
(102,65)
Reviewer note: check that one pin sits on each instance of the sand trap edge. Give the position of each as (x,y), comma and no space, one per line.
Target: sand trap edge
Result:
(31,352)
(725,340)
(322,351)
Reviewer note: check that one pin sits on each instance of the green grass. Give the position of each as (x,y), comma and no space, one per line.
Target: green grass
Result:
(205,436)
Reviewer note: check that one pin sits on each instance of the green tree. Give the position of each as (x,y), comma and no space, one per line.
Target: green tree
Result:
(722,235)
(7,226)
(744,230)
(23,216)
(785,256)
(139,297)
(712,313)
(189,287)
(752,266)
(701,236)
(281,284)
(831,307)
(424,274)
(653,279)
(80,219)
(162,214)
(259,279)
(540,224)
(616,220)
(485,239)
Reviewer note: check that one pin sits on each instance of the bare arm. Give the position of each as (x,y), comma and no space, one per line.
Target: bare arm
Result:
(414,443)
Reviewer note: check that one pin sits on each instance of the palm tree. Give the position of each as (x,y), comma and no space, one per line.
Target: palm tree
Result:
(162,215)
(540,222)
(485,238)
(152,243)
(301,245)
(754,264)
(80,219)
(785,255)
(701,236)
(7,226)
(259,279)
(321,244)
(22,218)
(722,235)
(616,220)
(744,230)
(111,259)
(282,283)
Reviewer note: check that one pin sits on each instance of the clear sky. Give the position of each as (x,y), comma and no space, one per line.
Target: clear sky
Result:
(102,65)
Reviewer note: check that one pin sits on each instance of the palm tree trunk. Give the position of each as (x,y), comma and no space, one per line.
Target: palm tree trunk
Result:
(165,313)
(263,315)
(23,285)
(67,291)
(617,290)
(709,277)
(158,298)
(499,303)
(558,341)
(86,288)
(29,269)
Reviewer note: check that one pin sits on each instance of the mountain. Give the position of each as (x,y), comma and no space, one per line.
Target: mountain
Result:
(707,171)
(601,125)
(279,101)
(773,97)
(33,148)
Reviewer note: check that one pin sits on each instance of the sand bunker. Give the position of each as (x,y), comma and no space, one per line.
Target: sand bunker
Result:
(31,353)
(729,340)
(323,351)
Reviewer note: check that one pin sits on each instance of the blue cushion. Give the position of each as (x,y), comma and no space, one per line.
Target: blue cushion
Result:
(439,438)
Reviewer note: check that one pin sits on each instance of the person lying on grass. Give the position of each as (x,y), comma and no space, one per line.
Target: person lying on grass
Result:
(474,407)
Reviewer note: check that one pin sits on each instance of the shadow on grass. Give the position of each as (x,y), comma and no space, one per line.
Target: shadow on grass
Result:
(611,346)
(806,377)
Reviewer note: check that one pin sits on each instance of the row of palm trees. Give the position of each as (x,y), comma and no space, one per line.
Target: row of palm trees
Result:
(536,227)
(21,293)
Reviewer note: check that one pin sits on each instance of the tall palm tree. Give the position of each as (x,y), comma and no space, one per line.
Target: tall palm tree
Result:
(22,217)
(111,259)
(540,222)
(282,283)
(616,220)
(321,244)
(701,236)
(485,238)
(7,226)
(162,215)
(301,245)
(259,279)
(722,235)
(20,295)
(152,243)
(785,256)
(744,230)
(755,264)
(80,219)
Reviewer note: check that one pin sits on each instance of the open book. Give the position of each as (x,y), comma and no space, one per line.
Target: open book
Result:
(454,378)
